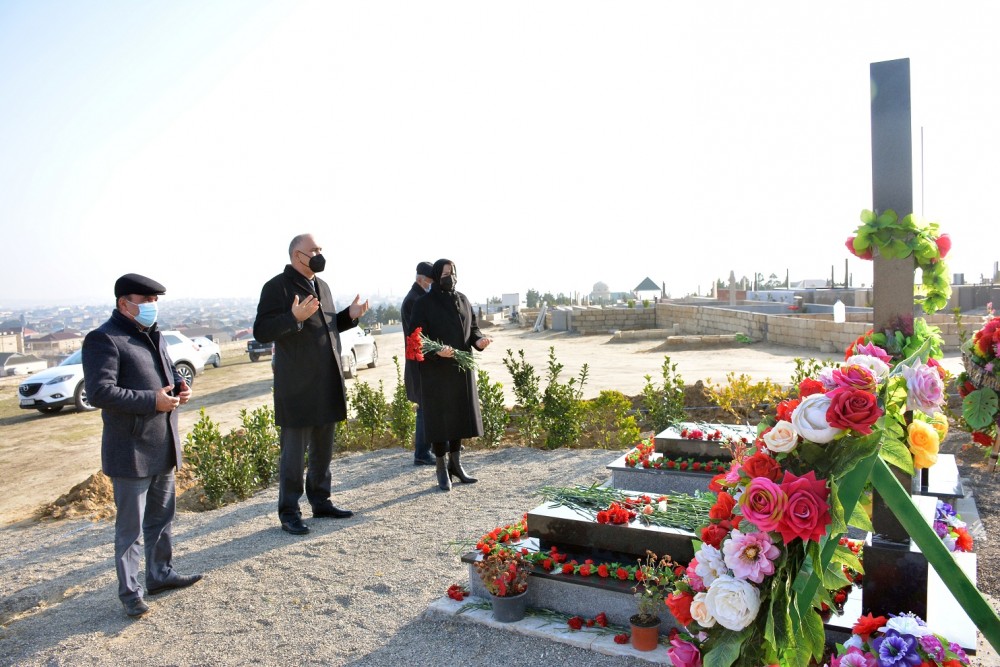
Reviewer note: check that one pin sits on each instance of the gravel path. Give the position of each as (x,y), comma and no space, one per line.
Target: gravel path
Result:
(352,592)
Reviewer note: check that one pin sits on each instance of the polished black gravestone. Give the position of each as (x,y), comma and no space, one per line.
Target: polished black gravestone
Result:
(671,443)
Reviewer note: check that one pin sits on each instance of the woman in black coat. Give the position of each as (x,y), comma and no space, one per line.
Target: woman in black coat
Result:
(448,394)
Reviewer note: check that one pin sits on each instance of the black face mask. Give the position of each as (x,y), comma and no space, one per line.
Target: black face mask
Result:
(317,263)
(448,283)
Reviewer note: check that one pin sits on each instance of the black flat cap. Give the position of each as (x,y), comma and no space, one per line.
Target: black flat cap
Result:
(425,269)
(133,283)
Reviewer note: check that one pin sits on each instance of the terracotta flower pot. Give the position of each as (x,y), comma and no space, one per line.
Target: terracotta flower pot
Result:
(509,609)
(645,637)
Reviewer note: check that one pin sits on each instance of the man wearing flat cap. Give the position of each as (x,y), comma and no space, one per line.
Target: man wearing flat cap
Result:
(130,377)
(296,312)
(411,371)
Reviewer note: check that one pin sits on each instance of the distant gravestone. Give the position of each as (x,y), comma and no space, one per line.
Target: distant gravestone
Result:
(732,288)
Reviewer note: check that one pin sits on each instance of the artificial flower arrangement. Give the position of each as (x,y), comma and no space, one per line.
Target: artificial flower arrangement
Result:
(951,529)
(418,345)
(897,641)
(740,596)
(909,237)
(979,384)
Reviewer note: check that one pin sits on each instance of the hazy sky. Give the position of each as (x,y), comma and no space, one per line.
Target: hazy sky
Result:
(540,144)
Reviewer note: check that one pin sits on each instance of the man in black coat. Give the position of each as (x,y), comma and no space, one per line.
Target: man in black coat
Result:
(296,312)
(130,377)
(411,370)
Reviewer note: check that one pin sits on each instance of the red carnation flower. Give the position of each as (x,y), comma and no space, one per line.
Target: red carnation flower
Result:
(868,624)
(622,638)
(602,570)
(602,620)
(575,623)
(568,568)
(621,573)
(982,439)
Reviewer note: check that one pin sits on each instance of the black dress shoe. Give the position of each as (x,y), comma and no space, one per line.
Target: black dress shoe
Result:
(178,581)
(332,512)
(295,527)
(135,607)
(429,461)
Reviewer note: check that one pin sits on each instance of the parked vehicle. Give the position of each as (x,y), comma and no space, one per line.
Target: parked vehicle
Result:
(209,350)
(256,349)
(51,390)
(187,359)
(357,348)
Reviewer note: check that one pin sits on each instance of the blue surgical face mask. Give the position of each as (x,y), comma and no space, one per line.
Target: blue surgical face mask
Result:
(148,311)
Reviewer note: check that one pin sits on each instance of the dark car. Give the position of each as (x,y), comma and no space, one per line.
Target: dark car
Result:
(256,349)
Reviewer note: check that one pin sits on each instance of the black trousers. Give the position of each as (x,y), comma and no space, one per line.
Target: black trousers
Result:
(440,448)
(295,442)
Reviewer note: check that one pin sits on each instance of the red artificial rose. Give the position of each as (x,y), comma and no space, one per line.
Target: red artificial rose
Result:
(714,485)
(679,604)
(944,245)
(762,465)
(866,625)
(723,507)
(807,513)
(809,386)
(575,623)
(714,534)
(785,409)
(854,409)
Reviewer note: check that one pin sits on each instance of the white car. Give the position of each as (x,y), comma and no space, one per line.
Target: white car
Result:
(209,350)
(51,390)
(358,348)
(54,388)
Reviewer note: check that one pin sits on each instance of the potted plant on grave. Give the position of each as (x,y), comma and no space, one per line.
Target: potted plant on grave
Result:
(504,573)
(655,576)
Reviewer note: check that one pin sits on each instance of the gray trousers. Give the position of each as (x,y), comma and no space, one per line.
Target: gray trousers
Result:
(145,507)
(295,442)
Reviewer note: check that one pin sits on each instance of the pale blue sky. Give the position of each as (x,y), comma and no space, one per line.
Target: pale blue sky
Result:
(545,145)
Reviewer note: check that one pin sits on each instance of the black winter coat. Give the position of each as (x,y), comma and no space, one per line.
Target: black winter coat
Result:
(124,368)
(411,369)
(308,377)
(449,398)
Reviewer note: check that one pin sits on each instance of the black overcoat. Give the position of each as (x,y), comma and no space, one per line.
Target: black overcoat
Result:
(449,398)
(411,370)
(123,369)
(308,377)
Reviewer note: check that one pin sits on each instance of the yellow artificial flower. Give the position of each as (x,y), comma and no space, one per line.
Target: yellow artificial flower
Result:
(940,424)
(924,442)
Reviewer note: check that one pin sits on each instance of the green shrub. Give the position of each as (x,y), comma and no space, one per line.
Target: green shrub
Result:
(744,399)
(663,405)
(372,411)
(608,422)
(527,397)
(809,368)
(561,405)
(491,405)
(402,414)
(262,439)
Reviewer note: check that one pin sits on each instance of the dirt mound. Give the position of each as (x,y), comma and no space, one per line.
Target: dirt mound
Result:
(94,498)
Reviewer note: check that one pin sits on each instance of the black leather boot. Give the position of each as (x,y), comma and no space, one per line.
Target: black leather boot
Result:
(444,479)
(455,469)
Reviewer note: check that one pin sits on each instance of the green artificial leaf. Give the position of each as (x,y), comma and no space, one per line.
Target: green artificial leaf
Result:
(795,656)
(777,618)
(979,408)
(834,578)
(726,648)
(908,223)
(934,303)
(814,635)
(887,217)
(838,523)
(867,217)
(860,519)
(896,249)
(845,557)
(895,452)
(862,242)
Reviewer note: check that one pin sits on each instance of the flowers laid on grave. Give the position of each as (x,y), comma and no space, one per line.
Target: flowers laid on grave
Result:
(979,383)
(644,455)
(418,345)
(504,572)
(777,504)
(951,529)
(897,641)
(673,511)
(457,592)
(910,237)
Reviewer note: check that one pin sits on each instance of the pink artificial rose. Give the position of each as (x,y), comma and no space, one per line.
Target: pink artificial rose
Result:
(695,581)
(854,376)
(763,503)
(925,390)
(807,514)
(684,654)
(854,657)
(854,409)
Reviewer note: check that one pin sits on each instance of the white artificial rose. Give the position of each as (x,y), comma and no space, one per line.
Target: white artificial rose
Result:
(781,437)
(809,419)
(699,611)
(906,625)
(734,603)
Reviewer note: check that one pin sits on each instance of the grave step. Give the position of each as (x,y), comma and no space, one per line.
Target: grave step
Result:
(671,443)
(942,480)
